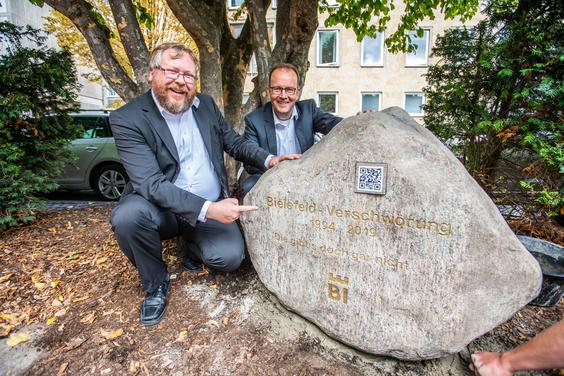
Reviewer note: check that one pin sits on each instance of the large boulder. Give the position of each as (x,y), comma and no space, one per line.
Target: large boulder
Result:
(380,237)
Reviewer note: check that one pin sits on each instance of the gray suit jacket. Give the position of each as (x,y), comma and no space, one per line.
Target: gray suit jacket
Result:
(259,127)
(148,153)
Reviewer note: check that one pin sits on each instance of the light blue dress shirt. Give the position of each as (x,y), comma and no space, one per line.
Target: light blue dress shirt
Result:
(197,174)
(286,141)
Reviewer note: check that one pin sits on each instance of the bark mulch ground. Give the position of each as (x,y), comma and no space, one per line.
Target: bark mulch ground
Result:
(64,279)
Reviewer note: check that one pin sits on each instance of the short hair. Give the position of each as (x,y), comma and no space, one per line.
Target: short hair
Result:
(179,51)
(288,66)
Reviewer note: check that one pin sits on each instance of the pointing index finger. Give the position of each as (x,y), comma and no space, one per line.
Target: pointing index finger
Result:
(244,208)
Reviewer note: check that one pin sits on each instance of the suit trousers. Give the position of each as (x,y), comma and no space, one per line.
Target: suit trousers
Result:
(140,227)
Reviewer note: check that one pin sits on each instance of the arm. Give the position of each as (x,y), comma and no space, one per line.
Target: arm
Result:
(145,173)
(251,135)
(237,147)
(323,122)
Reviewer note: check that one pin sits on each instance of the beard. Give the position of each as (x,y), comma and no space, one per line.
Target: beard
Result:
(174,106)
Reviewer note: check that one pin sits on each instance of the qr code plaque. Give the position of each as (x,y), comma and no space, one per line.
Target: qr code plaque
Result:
(371,178)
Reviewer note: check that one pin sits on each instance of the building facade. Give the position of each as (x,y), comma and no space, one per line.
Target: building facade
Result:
(346,76)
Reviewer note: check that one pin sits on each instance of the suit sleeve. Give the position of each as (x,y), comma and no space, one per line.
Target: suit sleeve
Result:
(251,135)
(237,147)
(146,175)
(323,122)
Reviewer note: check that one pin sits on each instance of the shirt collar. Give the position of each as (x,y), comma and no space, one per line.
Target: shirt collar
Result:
(277,121)
(164,112)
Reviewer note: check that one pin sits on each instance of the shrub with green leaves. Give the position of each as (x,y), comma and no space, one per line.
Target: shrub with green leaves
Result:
(37,92)
(496,97)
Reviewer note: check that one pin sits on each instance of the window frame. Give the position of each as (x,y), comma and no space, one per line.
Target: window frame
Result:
(318,48)
(230,7)
(418,93)
(381,64)
(362,93)
(325,92)
(426,31)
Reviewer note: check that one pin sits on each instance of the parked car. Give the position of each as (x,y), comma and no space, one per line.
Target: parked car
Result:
(98,166)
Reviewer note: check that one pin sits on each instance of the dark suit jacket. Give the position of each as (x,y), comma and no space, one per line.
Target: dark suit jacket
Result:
(259,127)
(148,153)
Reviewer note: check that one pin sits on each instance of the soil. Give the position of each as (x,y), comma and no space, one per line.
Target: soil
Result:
(64,281)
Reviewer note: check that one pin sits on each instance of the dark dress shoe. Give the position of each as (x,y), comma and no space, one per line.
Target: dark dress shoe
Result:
(192,265)
(154,305)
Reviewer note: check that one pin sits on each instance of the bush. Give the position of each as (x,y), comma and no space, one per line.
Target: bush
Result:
(37,93)
(496,98)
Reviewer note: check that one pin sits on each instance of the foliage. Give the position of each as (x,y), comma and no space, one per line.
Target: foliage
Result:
(367,17)
(37,92)
(156,20)
(496,98)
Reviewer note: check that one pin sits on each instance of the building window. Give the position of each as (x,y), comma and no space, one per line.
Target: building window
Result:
(328,101)
(328,47)
(414,103)
(370,101)
(234,4)
(418,58)
(273,3)
(372,51)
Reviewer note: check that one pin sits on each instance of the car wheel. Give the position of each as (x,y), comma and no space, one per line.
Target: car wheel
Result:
(109,181)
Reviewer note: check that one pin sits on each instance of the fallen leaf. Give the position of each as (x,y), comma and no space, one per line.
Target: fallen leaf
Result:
(101,260)
(62,369)
(55,283)
(89,318)
(213,286)
(72,255)
(61,312)
(181,336)
(51,320)
(7,317)
(56,303)
(6,277)
(79,299)
(5,330)
(134,366)
(226,320)
(60,298)
(74,343)
(17,338)
(111,334)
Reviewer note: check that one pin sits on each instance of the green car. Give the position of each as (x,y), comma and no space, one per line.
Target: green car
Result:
(98,166)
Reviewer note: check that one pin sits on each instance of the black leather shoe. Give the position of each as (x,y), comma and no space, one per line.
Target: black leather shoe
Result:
(192,265)
(154,305)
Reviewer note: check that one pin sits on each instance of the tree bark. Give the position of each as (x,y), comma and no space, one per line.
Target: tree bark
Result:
(81,14)
(132,39)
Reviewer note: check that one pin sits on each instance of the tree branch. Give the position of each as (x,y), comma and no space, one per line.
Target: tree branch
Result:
(82,15)
(132,39)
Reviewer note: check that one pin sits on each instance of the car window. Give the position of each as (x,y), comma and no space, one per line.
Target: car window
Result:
(94,126)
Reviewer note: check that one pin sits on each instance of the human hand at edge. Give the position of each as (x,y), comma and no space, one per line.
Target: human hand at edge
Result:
(227,210)
(284,157)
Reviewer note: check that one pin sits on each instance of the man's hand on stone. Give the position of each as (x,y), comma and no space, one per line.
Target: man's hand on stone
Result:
(275,160)
(227,210)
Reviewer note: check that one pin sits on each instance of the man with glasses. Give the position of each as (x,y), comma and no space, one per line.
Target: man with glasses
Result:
(171,142)
(284,125)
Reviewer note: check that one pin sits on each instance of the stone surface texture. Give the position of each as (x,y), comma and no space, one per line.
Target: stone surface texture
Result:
(416,273)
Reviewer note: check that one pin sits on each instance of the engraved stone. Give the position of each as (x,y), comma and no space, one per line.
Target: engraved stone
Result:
(415,273)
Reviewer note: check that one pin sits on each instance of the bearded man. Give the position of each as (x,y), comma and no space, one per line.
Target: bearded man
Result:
(171,142)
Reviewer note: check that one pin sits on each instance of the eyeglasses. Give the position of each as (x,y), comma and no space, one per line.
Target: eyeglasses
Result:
(189,78)
(277,90)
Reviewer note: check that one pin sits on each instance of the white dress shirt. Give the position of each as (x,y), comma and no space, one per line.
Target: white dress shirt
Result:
(286,141)
(197,174)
